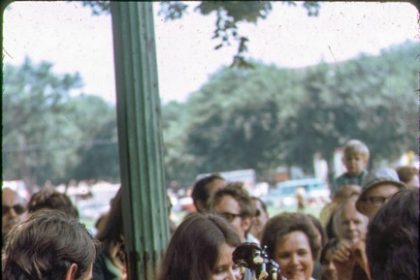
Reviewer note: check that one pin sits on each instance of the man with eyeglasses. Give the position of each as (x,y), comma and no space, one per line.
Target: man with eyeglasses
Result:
(13,211)
(379,186)
(234,203)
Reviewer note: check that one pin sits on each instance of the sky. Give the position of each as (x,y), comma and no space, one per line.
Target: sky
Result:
(67,35)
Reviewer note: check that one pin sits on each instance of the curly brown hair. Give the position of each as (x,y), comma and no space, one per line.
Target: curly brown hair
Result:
(238,192)
(282,224)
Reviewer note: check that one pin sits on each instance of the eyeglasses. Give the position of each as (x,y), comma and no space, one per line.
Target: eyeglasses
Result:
(229,216)
(375,200)
(18,208)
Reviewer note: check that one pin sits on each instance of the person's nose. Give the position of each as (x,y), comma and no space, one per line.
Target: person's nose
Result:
(330,266)
(294,259)
(12,213)
(352,226)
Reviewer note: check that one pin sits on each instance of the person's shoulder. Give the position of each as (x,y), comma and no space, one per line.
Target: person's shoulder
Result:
(342,177)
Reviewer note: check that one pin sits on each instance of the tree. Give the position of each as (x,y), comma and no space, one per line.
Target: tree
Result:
(97,149)
(49,135)
(370,98)
(232,127)
(265,117)
(34,132)
(228,15)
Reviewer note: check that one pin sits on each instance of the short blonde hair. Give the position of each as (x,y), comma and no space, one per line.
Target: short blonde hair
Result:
(357,147)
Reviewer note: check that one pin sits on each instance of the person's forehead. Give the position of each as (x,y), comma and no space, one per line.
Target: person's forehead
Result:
(215,185)
(227,202)
(351,213)
(354,153)
(382,189)
(9,197)
(224,254)
(293,240)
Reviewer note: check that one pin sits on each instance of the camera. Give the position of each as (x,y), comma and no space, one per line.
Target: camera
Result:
(255,258)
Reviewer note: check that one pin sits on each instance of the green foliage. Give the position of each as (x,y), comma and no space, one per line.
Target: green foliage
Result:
(259,117)
(46,132)
(264,117)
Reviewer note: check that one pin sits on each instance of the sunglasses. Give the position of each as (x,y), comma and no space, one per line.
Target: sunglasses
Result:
(17,208)
(375,200)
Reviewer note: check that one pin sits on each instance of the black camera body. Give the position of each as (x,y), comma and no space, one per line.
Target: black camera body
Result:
(253,257)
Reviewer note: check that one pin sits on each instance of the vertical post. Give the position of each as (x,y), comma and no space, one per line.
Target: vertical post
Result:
(140,142)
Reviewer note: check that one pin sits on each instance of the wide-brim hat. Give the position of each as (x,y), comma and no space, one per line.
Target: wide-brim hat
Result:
(376,177)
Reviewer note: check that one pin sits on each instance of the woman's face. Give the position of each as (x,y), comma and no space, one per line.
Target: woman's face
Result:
(294,256)
(225,268)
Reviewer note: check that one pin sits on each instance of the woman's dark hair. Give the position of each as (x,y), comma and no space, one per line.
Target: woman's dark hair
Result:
(331,244)
(112,230)
(52,199)
(319,227)
(46,245)
(193,250)
(392,244)
(282,224)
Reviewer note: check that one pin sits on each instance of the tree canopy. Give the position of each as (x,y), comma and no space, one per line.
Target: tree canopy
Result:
(48,134)
(259,118)
(265,117)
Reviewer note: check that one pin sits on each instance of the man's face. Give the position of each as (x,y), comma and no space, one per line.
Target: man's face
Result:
(376,197)
(229,208)
(352,225)
(354,163)
(12,210)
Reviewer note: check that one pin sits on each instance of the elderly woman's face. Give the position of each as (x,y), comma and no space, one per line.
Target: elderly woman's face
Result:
(294,256)
(225,268)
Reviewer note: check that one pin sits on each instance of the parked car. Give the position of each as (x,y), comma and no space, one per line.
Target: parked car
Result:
(316,191)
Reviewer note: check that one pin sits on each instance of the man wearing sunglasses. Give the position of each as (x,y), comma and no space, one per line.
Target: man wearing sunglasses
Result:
(235,204)
(13,211)
(378,187)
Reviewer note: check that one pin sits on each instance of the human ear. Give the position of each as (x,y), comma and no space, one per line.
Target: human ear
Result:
(71,272)
(246,223)
(200,206)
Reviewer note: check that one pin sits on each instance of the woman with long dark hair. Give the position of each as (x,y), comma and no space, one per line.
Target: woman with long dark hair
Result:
(201,249)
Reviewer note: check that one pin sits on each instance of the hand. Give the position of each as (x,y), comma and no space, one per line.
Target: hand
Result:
(359,251)
(343,252)
(343,260)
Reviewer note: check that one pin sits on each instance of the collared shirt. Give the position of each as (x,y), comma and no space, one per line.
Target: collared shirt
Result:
(348,179)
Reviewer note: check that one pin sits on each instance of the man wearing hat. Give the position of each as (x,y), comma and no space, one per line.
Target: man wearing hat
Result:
(378,187)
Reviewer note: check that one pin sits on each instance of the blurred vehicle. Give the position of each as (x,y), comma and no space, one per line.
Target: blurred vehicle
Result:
(316,191)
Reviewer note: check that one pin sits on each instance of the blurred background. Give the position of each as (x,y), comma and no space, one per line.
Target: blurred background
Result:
(260,92)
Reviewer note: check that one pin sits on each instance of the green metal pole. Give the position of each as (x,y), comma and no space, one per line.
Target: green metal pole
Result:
(145,212)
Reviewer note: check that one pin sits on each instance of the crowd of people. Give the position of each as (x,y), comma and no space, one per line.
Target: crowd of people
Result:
(369,230)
